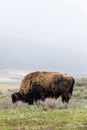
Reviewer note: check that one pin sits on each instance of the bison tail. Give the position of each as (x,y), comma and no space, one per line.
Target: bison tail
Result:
(72,85)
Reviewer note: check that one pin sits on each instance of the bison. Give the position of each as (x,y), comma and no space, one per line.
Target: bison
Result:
(41,85)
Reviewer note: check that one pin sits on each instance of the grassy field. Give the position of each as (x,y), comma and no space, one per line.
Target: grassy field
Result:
(37,119)
(51,115)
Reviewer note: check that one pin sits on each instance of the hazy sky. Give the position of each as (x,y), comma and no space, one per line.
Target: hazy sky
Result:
(57,28)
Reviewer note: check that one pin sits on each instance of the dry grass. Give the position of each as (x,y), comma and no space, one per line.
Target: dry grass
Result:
(78,99)
(48,115)
(5,87)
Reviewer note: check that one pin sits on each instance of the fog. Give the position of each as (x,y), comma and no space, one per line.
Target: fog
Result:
(44,35)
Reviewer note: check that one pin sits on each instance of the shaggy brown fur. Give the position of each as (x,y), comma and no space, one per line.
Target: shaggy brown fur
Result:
(40,85)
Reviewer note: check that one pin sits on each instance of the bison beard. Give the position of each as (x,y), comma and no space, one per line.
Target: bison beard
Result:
(41,85)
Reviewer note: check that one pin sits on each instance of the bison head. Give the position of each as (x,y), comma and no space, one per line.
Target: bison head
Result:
(17,96)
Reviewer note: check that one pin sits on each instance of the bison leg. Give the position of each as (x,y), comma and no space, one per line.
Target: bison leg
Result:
(65,97)
(30,102)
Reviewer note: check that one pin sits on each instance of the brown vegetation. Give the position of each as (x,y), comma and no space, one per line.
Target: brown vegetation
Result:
(79,98)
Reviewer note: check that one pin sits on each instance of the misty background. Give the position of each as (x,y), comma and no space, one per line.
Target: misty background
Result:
(46,35)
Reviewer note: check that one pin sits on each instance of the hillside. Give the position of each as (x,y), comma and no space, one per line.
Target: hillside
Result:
(49,115)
